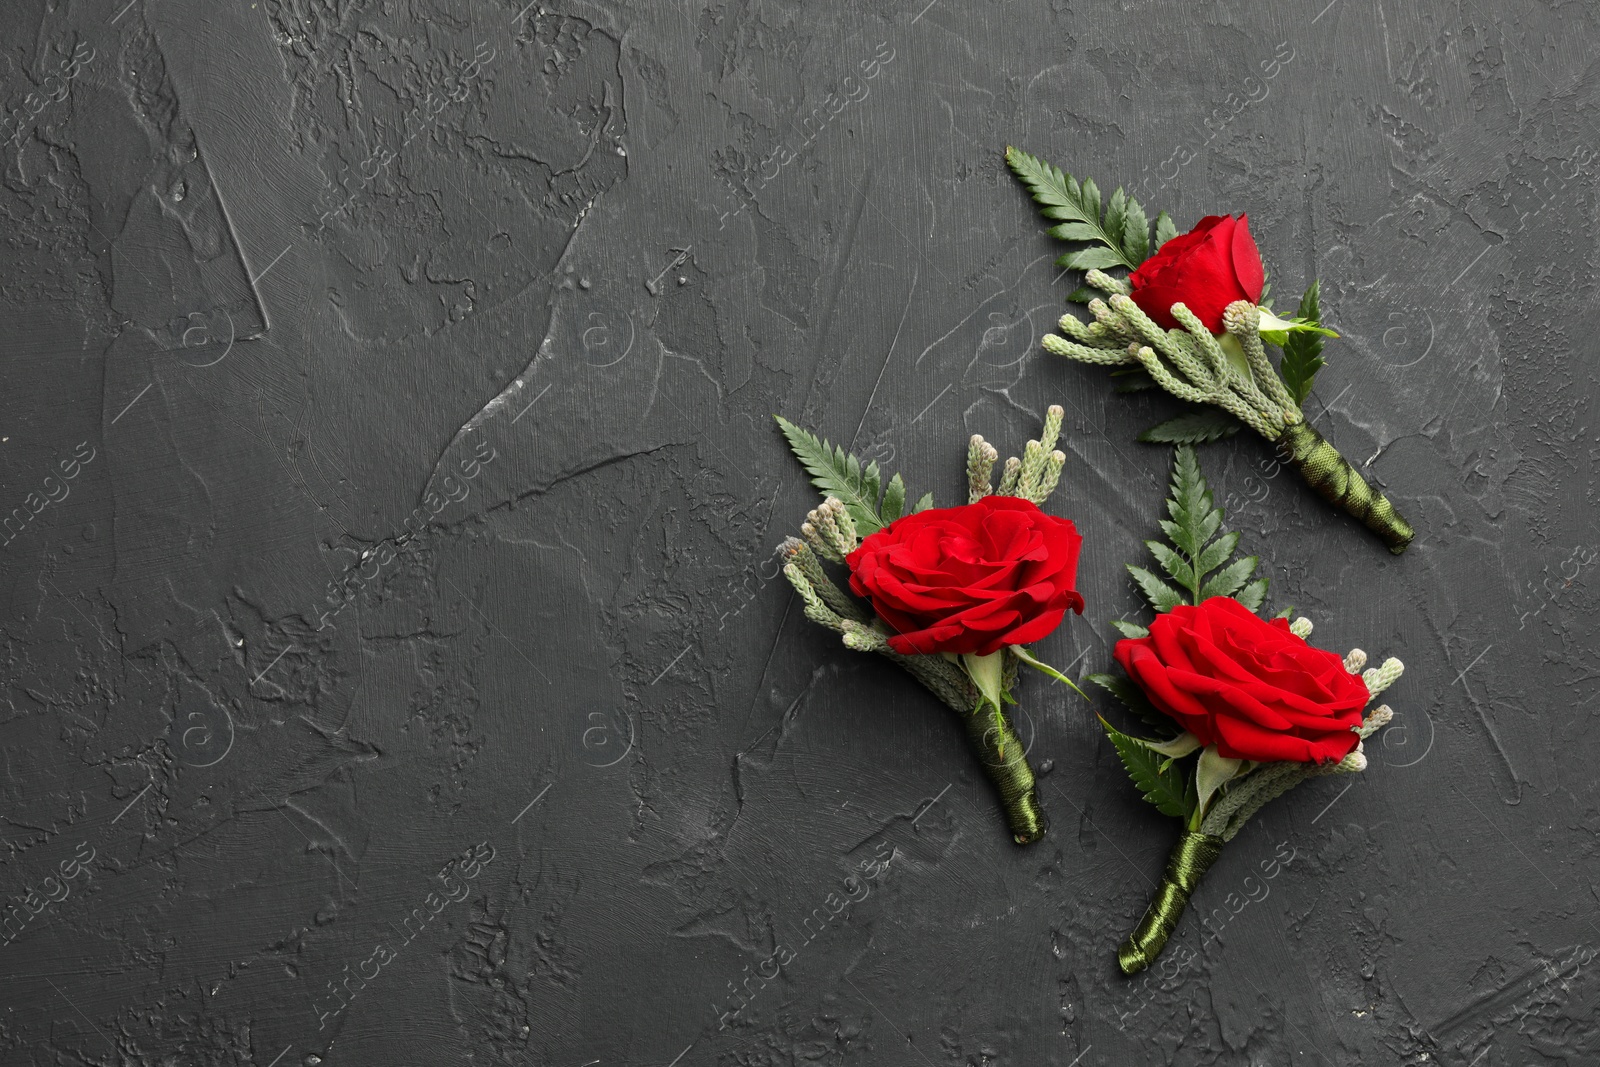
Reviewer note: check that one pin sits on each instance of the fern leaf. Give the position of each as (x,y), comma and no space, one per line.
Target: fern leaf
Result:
(1129,379)
(1230,579)
(894,500)
(1179,569)
(1091,258)
(1302,349)
(1162,596)
(1136,232)
(1116,216)
(1253,595)
(1134,699)
(871,481)
(1195,428)
(1090,199)
(1192,555)
(836,473)
(1214,555)
(1166,230)
(1159,780)
(1075,231)
(1190,504)
(1118,230)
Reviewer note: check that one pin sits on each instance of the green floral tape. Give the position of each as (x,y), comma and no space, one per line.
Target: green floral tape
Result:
(1191,857)
(1004,761)
(1332,476)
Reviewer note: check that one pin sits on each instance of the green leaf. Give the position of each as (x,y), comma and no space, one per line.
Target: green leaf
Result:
(1162,596)
(924,502)
(1090,200)
(1085,293)
(894,500)
(1192,554)
(1165,229)
(1029,659)
(1167,789)
(1214,555)
(1129,629)
(1136,232)
(1190,504)
(1091,258)
(1177,568)
(1253,595)
(1075,231)
(1302,349)
(837,473)
(1132,380)
(1118,231)
(1116,216)
(1134,700)
(1196,428)
(1230,579)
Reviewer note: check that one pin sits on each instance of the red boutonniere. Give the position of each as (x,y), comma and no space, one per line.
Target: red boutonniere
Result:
(1245,708)
(953,595)
(1193,317)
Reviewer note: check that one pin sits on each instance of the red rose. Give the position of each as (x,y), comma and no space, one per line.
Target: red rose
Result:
(970,579)
(1206,269)
(1247,685)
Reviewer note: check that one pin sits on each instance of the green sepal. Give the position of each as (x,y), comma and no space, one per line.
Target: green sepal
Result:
(988,674)
(1042,667)
(1212,770)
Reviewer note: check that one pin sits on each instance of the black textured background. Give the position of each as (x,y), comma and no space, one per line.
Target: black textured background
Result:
(287,279)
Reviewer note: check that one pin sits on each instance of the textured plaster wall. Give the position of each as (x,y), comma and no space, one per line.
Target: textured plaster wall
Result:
(399,676)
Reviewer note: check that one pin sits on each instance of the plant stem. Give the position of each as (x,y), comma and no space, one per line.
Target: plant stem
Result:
(1339,483)
(1191,857)
(1000,750)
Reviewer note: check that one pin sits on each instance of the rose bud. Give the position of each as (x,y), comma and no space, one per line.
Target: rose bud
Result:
(1206,269)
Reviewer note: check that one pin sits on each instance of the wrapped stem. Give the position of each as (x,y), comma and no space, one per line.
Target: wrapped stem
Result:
(1000,750)
(1191,857)
(1336,481)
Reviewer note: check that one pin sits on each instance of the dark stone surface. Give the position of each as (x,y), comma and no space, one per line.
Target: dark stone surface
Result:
(483,312)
